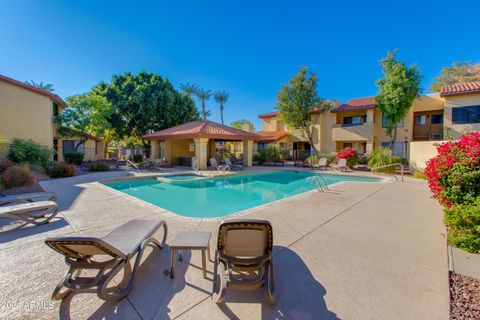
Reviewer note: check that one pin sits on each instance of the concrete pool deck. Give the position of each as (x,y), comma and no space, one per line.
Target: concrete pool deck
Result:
(359,251)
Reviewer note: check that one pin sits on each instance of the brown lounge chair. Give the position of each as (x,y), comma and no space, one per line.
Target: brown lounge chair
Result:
(244,246)
(28,197)
(120,246)
(37,213)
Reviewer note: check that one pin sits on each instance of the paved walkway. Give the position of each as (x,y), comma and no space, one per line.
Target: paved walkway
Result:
(360,251)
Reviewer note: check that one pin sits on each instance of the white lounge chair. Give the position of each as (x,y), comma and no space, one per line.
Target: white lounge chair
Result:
(341,165)
(37,213)
(28,197)
(214,164)
(232,166)
(321,164)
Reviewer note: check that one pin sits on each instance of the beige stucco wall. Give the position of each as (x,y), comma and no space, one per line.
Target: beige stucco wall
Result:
(420,152)
(25,114)
(455,130)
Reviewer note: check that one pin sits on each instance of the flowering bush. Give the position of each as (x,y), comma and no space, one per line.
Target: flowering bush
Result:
(18,176)
(349,154)
(454,174)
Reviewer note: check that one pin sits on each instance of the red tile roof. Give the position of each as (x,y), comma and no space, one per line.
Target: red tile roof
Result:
(271,136)
(357,104)
(461,88)
(202,129)
(268,115)
(46,93)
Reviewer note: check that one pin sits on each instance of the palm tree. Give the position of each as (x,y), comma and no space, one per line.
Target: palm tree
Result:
(221,97)
(203,95)
(189,89)
(41,85)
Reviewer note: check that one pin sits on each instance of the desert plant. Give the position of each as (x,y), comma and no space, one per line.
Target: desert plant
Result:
(98,166)
(18,176)
(382,157)
(349,154)
(454,174)
(419,174)
(463,223)
(73,158)
(22,150)
(62,170)
(137,158)
(4,165)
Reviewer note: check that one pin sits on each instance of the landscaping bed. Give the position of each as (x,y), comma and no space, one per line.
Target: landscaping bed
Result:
(465,297)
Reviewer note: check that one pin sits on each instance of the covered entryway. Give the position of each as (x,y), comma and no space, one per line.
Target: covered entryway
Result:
(200,139)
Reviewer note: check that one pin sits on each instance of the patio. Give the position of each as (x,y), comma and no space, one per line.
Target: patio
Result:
(359,251)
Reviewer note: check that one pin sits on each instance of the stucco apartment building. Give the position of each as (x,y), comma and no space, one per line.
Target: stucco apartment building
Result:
(359,123)
(27,112)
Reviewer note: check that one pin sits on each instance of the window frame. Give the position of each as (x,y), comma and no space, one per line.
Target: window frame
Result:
(463,114)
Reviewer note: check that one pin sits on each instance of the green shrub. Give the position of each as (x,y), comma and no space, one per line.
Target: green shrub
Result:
(419,174)
(137,158)
(463,223)
(73,157)
(21,150)
(97,167)
(4,165)
(382,157)
(18,176)
(62,170)
(362,160)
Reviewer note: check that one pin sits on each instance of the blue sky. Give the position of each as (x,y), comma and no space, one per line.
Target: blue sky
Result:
(248,48)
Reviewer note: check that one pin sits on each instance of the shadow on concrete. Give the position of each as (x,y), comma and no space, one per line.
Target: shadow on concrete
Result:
(299,295)
(149,299)
(14,229)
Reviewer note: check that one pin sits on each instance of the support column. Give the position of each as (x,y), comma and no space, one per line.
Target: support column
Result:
(155,149)
(247,152)
(369,148)
(201,152)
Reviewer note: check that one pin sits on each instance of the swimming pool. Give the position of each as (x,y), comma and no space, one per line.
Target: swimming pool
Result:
(221,196)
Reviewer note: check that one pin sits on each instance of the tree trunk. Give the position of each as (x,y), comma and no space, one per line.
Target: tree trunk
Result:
(203,110)
(394,137)
(221,112)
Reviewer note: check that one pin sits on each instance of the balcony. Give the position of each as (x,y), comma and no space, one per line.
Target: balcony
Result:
(360,132)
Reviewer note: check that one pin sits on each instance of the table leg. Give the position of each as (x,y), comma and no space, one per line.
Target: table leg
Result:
(204,263)
(172,263)
(208,253)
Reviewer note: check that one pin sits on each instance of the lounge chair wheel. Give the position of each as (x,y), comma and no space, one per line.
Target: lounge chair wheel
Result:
(220,284)
(270,284)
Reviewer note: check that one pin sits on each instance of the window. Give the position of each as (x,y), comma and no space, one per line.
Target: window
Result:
(470,114)
(384,122)
(353,121)
(69,146)
(56,109)
(420,120)
(436,119)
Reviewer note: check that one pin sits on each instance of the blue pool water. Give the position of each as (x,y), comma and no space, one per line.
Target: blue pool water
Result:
(222,196)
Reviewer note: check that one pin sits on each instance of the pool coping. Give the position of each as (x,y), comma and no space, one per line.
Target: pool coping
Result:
(238,213)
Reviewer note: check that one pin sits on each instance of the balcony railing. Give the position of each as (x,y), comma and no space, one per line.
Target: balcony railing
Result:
(361,132)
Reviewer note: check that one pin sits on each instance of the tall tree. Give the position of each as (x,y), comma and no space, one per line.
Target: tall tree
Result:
(41,85)
(458,72)
(189,89)
(203,95)
(145,103)
(87,115)
(398,88)
(240,123)
(300,105)
(221,97)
